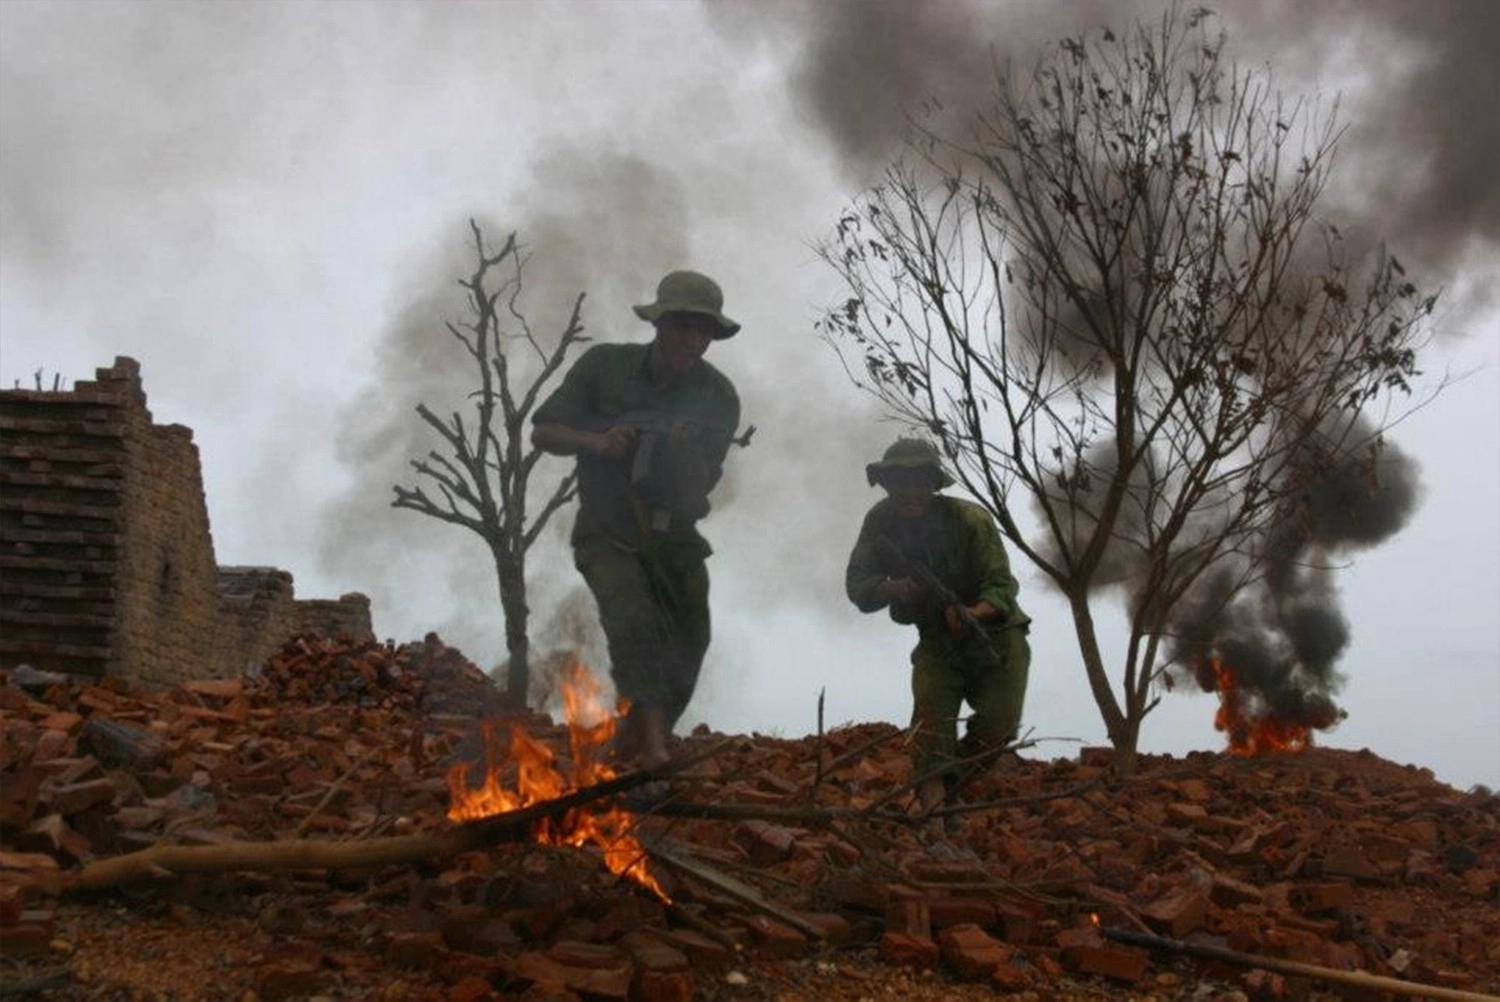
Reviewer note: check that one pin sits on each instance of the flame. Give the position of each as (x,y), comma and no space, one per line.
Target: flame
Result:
(590,727)
(1094,917)
(1252,735)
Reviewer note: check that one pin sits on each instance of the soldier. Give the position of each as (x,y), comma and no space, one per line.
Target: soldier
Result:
(650,425)
(937,562)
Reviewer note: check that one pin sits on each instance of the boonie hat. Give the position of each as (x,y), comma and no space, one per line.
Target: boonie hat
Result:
(908,454)
(689,292)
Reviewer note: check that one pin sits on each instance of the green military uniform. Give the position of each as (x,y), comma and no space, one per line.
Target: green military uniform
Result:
(957,540)
(635,539)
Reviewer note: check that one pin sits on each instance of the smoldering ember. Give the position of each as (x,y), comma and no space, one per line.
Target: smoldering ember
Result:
(214,789)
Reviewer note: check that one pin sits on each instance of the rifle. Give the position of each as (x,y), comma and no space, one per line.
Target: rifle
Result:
(655,425)
(913,568)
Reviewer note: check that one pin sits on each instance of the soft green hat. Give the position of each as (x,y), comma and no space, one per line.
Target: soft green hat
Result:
(908,454)
(689,292)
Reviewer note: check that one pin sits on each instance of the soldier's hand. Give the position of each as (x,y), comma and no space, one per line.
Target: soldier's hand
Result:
(681,434)
(615,443)
(900,591)
(957,628)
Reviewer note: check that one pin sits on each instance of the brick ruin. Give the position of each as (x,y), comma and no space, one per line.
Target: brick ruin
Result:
(106,559)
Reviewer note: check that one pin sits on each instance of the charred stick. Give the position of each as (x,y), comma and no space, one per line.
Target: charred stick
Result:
(812,793)
(1360,979)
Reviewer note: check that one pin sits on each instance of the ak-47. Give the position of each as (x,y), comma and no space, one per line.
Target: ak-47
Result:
(923,575)
(653,426)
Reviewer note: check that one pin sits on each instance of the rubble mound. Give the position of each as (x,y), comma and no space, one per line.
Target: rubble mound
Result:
(794,868)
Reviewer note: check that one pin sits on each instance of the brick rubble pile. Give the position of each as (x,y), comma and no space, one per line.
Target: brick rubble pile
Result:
(1326,857)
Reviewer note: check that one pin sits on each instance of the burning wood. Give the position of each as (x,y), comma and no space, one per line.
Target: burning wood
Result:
(537,779)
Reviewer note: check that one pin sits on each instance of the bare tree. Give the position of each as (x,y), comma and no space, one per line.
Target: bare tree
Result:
(484,478)
(1112,303)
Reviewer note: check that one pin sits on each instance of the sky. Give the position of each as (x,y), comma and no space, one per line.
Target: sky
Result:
(267,205)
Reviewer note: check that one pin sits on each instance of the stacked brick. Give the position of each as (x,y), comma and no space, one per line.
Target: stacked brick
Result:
(63,462)
(106,558)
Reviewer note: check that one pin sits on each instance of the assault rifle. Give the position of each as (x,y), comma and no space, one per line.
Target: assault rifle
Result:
(653,426)
(923,575)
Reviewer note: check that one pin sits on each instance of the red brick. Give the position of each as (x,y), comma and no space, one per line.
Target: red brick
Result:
(12,903)
(655,956)
(764,843)
(25,939)
(1348,861)
(1121,963)
(1007,977)
(606,983)
(663,986)
(835,928)
(1227,892)
(471,989)
(971,953)
(572,953)
(1079,936)
(909,916)
(703,953)
(772,938)
(1018,923)
(416,949)
(901,950)
(61,721)
(1313,898)
(75,798)
(286,980)
(1480,883)
(1178,913)
(1097,756)
(960,911)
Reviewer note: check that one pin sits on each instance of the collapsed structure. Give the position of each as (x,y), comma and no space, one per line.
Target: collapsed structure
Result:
(106,558)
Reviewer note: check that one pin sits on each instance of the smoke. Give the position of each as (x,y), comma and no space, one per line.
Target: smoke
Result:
(615,218)
(1283,635)
(1415,169)
(1417,165)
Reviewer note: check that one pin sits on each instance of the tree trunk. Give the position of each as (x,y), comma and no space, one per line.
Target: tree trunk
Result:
(1120,733)
(511,572)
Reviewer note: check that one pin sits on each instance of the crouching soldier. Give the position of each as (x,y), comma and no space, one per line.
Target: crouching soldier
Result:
(937,562)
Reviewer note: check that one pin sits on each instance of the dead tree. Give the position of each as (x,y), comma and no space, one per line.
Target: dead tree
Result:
(1112,304)
(483,481)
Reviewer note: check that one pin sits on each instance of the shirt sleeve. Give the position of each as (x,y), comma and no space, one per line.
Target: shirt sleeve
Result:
(865,572)
(996,583)
(717,448)
(572,403)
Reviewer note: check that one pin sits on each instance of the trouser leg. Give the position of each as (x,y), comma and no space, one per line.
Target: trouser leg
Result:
(654,612)
(937,689)
(997,693)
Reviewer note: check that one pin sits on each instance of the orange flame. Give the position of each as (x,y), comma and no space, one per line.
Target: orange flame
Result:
(1250,735)
(590,727)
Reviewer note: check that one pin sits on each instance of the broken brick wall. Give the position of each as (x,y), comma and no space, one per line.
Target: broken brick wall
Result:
(167,610)
(63,457)
(106,557)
